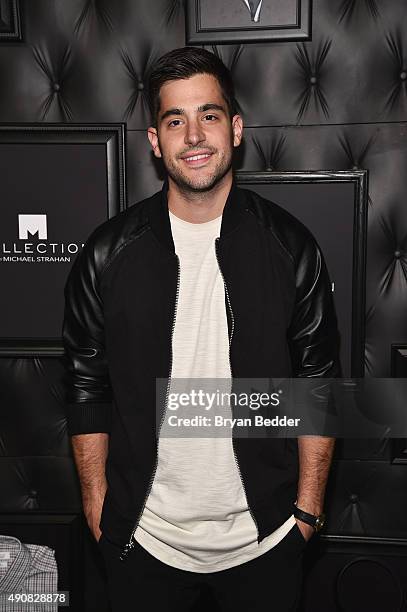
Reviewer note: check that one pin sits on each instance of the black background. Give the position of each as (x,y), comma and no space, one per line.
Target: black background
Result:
(336,102)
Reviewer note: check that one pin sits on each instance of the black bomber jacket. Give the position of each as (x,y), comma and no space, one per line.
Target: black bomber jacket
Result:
(120,305)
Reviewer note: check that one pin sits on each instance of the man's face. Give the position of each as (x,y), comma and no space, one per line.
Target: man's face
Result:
(195,135)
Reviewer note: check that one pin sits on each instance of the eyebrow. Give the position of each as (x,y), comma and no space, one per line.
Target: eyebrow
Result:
(201,109)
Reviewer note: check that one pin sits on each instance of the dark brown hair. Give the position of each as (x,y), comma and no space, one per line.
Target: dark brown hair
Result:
(182,64)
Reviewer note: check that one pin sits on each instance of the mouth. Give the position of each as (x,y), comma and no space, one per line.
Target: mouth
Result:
(197,159)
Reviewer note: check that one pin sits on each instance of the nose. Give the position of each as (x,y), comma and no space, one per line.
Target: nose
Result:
(194,133)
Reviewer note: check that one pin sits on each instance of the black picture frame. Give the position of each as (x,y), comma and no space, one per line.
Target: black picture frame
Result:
(399,370)
(63,533)
(239,21)
(10,21)
(352,357)
(110,167)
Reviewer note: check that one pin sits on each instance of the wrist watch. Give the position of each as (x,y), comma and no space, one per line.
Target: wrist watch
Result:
(316,521)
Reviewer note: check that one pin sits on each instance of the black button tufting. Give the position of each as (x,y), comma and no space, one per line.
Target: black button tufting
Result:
(33,493)
(140,86)
(397,254)
(354,498)
(56,87)
(403,75)
(313,80)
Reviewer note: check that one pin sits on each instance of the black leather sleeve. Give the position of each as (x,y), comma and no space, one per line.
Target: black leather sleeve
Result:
(313,333)
(87,383)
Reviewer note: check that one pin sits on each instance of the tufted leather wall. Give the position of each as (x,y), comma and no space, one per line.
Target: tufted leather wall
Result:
(336,102)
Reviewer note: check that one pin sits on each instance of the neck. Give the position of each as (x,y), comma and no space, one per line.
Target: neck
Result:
(199,207)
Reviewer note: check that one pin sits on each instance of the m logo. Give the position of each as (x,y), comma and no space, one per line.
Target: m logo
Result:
(32,224)
(254,7)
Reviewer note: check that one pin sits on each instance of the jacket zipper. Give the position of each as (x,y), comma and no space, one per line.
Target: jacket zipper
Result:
(131,543)
(231,372)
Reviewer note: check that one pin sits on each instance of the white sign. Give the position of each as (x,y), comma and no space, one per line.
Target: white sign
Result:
(32,224)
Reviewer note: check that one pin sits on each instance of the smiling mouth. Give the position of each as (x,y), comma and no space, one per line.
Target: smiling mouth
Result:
(197,160)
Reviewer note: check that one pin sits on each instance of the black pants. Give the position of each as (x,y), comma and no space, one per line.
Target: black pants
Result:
(269,583)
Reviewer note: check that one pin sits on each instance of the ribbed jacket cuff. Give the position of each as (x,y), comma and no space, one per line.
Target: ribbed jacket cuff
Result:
(89,417)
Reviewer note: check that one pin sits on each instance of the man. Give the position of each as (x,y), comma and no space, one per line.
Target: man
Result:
(202,280)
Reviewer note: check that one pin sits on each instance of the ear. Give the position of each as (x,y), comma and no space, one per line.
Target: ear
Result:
(237,127)
(153,138)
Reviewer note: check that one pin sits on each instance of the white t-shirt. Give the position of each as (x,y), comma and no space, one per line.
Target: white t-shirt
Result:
(196,516)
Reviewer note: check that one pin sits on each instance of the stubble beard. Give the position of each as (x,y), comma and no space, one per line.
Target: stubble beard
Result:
(190,187)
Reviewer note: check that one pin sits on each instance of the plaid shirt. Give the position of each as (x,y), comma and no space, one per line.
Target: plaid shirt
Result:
(26,568)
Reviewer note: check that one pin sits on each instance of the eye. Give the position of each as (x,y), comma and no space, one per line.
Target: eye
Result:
(210,117)
(174,122)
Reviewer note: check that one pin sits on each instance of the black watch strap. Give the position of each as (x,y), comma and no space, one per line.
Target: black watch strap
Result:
(316,521)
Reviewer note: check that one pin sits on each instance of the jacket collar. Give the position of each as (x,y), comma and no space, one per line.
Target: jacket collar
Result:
(160,223)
